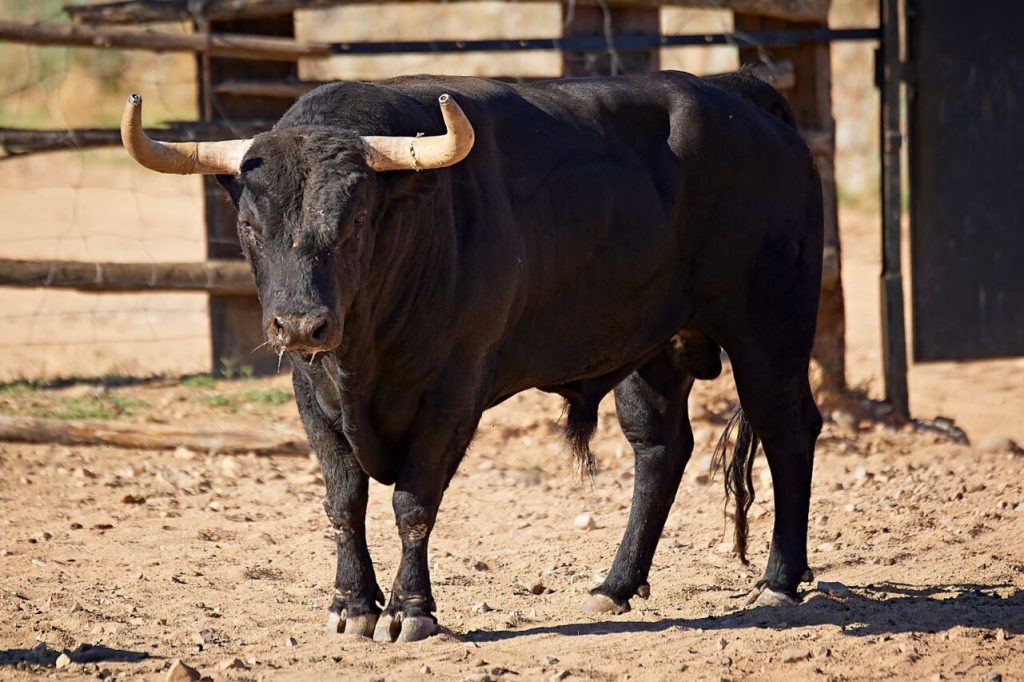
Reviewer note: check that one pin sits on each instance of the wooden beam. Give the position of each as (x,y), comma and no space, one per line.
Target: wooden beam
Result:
(218,45)
(227,278)
(141,11)
(21,141)
(148,436)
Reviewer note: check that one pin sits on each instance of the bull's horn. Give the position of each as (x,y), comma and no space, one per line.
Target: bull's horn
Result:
(184,158)
(387,153)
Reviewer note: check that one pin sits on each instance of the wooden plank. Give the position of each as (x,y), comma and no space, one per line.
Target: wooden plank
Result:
(20,141)
(220,45)
(149,436)
(141,11)
(225,278)
(779,74)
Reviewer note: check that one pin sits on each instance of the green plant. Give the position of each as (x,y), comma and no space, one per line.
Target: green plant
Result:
(199,381)
(270,396)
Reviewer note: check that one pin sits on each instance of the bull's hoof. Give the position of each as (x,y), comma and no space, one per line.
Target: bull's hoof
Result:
(340,623)
(643,591)
(599,603)
(766,596)
(407,629)
(808,576)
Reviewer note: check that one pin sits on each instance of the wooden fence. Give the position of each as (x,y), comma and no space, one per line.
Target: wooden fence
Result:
(247,70)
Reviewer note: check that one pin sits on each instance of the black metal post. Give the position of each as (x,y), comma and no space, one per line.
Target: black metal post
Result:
(894,344)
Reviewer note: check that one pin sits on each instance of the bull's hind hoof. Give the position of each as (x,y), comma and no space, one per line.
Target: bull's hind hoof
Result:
(408,629)
(766,596)
(600,603)
(340,623)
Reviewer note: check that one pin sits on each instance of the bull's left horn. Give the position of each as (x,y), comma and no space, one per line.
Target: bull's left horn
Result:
(391,153)
(183,158)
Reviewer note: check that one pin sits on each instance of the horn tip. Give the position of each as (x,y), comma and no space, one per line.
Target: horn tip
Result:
(135,98)
(444,99)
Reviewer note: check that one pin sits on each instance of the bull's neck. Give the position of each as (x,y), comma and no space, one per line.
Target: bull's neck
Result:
(408,291)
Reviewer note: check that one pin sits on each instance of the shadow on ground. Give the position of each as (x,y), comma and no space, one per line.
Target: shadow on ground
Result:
(43,655)
(877,609)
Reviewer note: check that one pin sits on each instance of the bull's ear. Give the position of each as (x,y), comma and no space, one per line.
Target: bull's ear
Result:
(233,187)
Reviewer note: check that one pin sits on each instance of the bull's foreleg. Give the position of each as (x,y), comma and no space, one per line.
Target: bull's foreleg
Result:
(356,594)
(651,406)
(409,615)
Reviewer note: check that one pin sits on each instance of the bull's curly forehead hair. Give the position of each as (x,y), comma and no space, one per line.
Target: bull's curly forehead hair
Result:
(308,173)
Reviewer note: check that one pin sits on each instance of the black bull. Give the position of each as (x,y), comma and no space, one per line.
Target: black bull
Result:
(602,234)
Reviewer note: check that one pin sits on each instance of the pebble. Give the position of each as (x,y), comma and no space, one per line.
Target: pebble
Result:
(844,419)
(550,660)
(477,677)
(994,677)
(481,566)
(834,589)
(425,670)
(180,672)
(538,588)
(133,499)
(792,655)
(232,664)
(63,661)
(482,607)
(1000,445)
(584,522)
(560,675)
(722,643)
(291,641)
(181,452)
(726,661)
(860,473)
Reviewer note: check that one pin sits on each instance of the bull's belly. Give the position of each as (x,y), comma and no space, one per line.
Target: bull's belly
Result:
(587,343)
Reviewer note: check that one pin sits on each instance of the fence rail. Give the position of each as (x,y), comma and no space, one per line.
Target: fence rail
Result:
(225,278)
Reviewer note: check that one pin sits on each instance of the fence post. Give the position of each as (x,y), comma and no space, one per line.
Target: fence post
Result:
(236,321)
(811,100)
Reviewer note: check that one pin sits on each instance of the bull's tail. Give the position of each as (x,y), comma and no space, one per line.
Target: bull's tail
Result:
(738,473)
(580,424)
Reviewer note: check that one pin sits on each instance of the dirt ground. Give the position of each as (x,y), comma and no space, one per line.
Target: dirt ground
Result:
(129,559)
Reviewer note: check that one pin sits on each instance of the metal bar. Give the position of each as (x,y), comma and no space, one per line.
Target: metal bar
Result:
(639,41)
(894,343)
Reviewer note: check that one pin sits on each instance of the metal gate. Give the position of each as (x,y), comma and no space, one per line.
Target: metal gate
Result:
(965,88)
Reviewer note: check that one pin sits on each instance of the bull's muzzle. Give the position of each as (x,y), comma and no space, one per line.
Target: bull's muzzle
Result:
(309,333)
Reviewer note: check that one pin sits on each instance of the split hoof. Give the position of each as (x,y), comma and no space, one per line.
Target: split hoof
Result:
(599,603)
(643,591)
(339,623)
(408,629)
(766,596)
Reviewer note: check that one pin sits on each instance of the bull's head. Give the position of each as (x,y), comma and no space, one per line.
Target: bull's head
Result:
(305,196)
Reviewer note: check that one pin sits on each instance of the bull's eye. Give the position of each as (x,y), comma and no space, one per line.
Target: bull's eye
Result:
(248,232)
(360,219)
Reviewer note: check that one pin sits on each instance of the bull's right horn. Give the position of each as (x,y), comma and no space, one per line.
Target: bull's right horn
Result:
(391,153)
(183,158)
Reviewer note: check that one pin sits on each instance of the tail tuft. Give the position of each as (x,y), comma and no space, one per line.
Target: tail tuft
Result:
(738,473)
(580,425)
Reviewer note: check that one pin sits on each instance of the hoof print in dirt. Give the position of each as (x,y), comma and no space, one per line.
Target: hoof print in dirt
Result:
(408,629)
(599,603)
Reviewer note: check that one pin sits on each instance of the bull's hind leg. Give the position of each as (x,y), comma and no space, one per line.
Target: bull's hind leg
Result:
(778,403)
(651,405)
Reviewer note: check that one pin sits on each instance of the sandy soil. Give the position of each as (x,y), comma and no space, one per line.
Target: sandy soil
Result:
(130,559)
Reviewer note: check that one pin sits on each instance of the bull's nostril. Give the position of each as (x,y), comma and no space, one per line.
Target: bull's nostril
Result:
(319,333)
(276,325)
